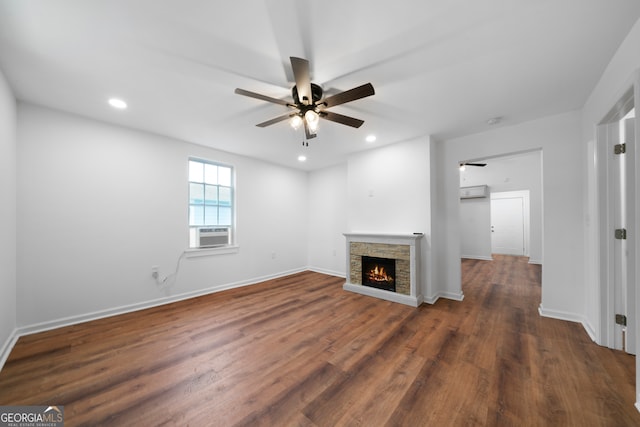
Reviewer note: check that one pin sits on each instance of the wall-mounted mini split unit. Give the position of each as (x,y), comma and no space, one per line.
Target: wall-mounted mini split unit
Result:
(210,237)
(477,191)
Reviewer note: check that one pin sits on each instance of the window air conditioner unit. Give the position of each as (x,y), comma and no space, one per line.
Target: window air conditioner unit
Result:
(209,237)
(474,192)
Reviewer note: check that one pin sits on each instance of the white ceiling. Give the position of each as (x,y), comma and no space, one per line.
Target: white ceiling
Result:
(439,67)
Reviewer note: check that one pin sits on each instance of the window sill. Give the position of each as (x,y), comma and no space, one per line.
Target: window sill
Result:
(222,250)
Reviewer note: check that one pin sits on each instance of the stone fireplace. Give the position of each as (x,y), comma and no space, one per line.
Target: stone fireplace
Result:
(384,266)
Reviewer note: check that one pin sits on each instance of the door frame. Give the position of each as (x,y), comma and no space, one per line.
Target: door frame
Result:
(597,208)
(606,135)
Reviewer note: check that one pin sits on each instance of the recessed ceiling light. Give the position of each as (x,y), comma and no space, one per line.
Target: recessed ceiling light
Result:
(118,103)
(302,158)
(494,121)
(370,138)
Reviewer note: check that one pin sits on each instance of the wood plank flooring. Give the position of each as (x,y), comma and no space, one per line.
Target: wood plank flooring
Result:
(300,351)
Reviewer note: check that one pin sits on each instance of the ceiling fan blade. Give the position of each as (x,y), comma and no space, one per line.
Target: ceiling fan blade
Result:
(475,164)
(303,79)
(263,97)
(339,118)
(350,95)
(275,120)
(308,132)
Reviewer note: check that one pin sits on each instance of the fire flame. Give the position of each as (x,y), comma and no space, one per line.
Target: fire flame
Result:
(378,274)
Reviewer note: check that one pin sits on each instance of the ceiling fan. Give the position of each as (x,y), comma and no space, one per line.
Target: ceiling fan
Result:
(308,105)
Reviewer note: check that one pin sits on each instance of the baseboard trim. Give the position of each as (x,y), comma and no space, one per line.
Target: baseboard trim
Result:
(8,346)
(590,330)
(413,301)
(327,272)
(87,317)
(535,261)
(456,296)
(570,317)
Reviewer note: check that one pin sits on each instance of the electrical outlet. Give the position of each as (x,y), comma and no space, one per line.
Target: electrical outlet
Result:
(273,255)
(154,271)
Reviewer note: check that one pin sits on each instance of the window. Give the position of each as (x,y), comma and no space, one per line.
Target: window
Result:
(210,197)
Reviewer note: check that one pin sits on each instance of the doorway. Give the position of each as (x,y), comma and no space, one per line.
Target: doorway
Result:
(514,183)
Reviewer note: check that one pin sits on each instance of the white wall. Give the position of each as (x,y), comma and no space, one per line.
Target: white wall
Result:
(328,220)
(511,173)
(98,205)
(559,138)
(389,191)
(389,188)
(7,216)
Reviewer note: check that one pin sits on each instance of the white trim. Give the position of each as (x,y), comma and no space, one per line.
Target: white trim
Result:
(327,272)
(390,238)
(413,301)
(535,261)
(591,331)
(570,317)
(604,247)
(455,296)
(560,315)
(8,346)
(199,252)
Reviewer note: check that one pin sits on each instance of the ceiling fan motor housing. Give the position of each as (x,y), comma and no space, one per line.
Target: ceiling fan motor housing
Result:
(316,94)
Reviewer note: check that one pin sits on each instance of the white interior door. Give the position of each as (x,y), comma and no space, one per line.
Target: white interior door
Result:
(507,224)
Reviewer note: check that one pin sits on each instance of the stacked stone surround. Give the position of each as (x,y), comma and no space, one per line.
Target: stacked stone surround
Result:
(401,253)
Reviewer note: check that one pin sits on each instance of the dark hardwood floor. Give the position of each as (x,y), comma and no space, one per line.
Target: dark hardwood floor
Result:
(301,351)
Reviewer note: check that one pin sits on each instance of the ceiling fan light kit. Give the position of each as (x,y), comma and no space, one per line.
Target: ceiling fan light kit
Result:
(296,121)
(308,101)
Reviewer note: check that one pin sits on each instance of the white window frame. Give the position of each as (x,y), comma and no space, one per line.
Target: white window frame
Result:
(231,247)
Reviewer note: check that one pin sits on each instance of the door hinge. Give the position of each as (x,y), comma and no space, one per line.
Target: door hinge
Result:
(621,319)
(620,148)
(621,233)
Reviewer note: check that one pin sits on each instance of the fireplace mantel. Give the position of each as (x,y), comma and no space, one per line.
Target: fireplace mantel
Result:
(405,248)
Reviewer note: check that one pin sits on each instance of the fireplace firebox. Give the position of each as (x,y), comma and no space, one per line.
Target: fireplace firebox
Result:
(379,273)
